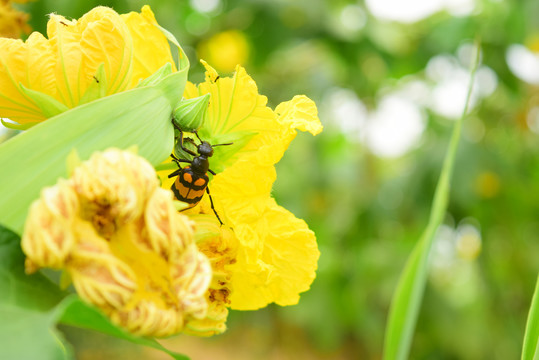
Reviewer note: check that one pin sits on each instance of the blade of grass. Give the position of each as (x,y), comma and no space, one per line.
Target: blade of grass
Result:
(407,298)
(530,347)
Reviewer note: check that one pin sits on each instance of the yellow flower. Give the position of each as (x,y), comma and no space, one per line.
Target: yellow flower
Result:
(124,245)
(13,23)
(65,66)
(225,50)
(263,253)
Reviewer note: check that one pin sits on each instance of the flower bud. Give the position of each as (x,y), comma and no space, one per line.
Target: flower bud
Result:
(191,114)
(124,245)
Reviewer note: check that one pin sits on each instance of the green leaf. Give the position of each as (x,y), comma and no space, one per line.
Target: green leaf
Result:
(77,313)
(157,76)
(26,308)
(97,88)
(407,298)
(28,291)
(48,105)
(27,334)
(530,347)
(183,60)
(15,126)
(37,157)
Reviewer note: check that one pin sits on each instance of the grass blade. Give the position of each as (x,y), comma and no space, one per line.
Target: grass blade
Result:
(407,298)
(530,347)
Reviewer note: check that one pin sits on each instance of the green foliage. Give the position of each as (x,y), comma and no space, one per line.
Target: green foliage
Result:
(26,308)
(369,211)
(79,314)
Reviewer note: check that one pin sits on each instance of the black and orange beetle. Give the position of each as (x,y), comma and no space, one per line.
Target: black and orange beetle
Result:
(192,180)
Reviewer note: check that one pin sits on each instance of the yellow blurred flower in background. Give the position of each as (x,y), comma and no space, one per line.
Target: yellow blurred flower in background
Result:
(65,66)
(263,253)
(13,23)
(225,50)
(487,184)
(122,242)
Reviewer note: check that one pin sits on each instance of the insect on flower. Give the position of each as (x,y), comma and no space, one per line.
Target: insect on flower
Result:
(192,180)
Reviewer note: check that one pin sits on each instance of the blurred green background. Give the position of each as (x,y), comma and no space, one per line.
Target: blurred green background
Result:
(389,78)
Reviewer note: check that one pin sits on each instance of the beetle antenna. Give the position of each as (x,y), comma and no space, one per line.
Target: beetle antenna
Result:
(222,144)
(196,133)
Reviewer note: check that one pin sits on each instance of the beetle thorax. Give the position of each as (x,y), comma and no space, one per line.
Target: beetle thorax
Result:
(200,164)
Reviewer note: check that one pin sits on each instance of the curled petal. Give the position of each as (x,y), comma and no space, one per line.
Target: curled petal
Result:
(213,323)
(99,277)
(166,230)
(48,237)
(146,318)
(192,275)
(110,189)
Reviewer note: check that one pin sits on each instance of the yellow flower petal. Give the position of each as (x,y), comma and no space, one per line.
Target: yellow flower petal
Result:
(31,64)
(235,104)
(151,49)
(299,113)
(279,266)
(99,37)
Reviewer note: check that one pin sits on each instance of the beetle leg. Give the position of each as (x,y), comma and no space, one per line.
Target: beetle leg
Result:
(181,139)
(175,173)
(177,161)
(212,207)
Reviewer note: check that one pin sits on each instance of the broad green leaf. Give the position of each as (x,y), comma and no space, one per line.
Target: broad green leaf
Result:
(26,308)
(37,157)
(79,314)
(407,298)
(530,347)
(34,291)
(28,334)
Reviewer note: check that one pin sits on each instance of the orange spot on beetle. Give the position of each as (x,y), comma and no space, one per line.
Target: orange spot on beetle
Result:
(200,182)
